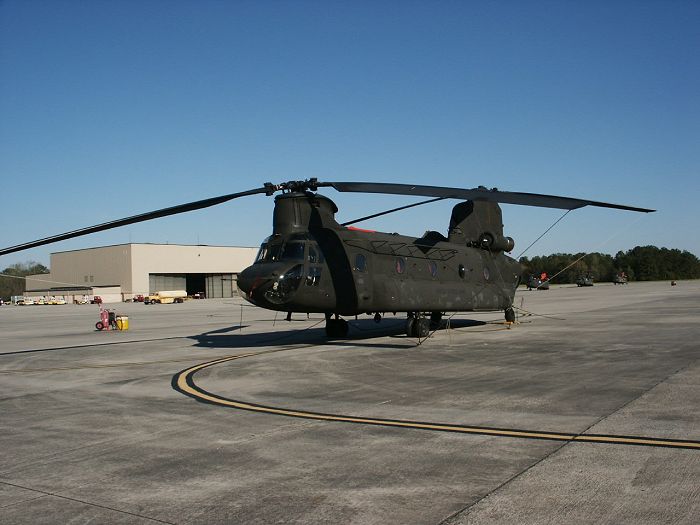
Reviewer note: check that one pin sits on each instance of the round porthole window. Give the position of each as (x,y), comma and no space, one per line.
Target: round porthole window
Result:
(487,274)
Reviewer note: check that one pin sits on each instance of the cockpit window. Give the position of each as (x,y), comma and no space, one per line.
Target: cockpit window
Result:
(268,253)
(261,253)
(290,251)
(293,251)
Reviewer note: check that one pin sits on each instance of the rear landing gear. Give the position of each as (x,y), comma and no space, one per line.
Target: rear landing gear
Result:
(435,320)
(510,315)
(417,326)
(336,328)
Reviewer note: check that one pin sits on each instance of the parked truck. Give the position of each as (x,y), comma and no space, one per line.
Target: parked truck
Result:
(166,297)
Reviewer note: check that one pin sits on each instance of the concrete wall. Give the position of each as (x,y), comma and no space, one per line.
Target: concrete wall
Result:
(41,281)
(89,268)
(109,294)
(93,267)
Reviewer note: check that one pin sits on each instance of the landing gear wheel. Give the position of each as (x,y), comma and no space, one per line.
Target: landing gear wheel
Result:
(410,323)
(99,325)
(417,326)
(510,315)
(336,328)
(435,320)
(422,327)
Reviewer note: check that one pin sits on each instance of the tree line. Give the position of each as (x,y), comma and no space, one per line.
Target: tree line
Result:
(641,263)
(12,278)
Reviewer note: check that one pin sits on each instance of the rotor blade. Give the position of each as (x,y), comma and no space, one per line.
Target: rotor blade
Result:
(387,212)
(478,194)
(164,212)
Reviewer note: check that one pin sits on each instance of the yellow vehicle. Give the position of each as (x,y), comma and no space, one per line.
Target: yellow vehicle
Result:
(166,297)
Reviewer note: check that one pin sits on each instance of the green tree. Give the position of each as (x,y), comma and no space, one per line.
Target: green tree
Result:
(649,263)
(641,263)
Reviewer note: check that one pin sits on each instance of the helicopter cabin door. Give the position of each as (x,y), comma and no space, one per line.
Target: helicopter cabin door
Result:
(362,275)
(318,285)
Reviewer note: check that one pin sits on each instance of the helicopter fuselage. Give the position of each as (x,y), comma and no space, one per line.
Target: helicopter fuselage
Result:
(313,264)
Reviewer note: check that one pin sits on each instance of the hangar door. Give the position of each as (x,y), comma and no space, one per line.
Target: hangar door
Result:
(221,285)
(166,281)
(213,285)
(192,283)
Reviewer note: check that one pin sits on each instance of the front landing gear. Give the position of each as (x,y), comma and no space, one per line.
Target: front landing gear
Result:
(336,328)
(510,315)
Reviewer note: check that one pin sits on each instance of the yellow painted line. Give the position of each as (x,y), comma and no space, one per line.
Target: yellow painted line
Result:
(638,440)
(184,382)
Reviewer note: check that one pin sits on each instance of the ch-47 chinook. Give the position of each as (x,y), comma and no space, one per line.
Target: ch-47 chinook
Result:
(313,264)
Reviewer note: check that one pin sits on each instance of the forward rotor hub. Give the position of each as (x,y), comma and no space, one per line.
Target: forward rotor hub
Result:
(294,186)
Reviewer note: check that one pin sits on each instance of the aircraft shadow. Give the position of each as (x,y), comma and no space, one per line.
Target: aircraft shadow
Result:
(361,332)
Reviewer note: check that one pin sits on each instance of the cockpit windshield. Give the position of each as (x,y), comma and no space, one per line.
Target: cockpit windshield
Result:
(293,251)
(268,253)
(290,251)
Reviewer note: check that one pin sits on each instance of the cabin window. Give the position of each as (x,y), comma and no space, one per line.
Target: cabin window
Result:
(315,255)
(314,276)
(360,263)
(487,274)
(432,267)
(400,265)
(462,271)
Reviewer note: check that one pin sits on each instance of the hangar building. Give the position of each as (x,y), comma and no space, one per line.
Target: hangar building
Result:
(120,272)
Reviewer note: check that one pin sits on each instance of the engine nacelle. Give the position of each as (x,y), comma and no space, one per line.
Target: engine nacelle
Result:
(496,243)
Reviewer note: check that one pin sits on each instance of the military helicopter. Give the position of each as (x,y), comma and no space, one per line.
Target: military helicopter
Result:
(584,280)
(620,278)
(313,264)
(538,283)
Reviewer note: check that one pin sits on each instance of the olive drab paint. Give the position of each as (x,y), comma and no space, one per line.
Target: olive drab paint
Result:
(373,272)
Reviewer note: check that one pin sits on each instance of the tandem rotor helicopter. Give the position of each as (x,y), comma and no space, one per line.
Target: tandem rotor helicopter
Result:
(313,264)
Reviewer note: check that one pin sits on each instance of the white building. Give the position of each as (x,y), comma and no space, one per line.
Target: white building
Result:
(118,273)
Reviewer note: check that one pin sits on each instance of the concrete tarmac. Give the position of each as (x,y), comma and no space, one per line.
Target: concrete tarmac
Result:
(587,410)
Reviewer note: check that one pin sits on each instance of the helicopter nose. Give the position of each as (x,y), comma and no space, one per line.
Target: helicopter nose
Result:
(246,281)
(255,280)
(267,285)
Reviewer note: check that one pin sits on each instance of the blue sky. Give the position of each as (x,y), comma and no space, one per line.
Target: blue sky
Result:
(112,108)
